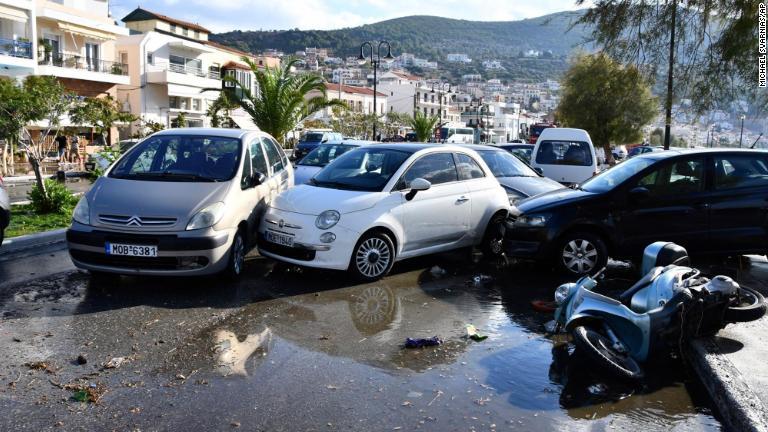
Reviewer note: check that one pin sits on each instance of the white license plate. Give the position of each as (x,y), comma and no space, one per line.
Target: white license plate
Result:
(130,250)
(281,239)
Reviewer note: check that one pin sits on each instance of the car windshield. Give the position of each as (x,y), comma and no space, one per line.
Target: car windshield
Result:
(613,177)
(364,169)
(325,154)
(574,153)
(312,137)
(181,158)
(504,164)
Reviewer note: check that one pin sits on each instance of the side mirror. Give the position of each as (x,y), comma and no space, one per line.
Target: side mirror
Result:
(257,178)
(539,170)
(417,184)
(639,194)
(325,140)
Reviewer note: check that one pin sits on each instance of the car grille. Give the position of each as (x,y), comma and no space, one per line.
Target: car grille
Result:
(137,221)
(143,263)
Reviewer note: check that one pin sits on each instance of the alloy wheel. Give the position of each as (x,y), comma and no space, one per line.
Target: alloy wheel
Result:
(580,256)
(373,257)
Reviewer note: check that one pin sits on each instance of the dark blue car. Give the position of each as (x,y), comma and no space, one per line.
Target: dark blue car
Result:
(312,139)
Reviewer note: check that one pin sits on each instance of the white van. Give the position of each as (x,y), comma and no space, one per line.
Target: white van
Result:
(565,155)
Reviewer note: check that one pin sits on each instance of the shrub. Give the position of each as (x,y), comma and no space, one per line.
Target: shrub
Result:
(59,199)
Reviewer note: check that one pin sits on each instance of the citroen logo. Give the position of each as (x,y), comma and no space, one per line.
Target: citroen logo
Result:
(134,220)
(281,223)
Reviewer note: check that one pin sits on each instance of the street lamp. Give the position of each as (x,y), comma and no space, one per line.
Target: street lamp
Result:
(440,97)
(375,64)
(741,135)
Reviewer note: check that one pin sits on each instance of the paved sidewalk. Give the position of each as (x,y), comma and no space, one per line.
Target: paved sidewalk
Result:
(733,366)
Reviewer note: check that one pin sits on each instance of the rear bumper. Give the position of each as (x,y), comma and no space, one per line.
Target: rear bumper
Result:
(188,253)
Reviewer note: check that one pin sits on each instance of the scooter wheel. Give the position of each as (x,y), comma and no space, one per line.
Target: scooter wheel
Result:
(599,349)
(751,306)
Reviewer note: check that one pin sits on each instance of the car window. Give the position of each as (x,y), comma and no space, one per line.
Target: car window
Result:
(143,161)
(468,167)
(680,177)
(283,156)
(273,156)
(364,169)
(245,179)
(436,168)
(258,161)
(505,164)
(574,153)
(738,171)
(323,154)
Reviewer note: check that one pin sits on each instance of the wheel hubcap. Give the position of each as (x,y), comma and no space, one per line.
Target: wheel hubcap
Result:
(373,257)
(580,256)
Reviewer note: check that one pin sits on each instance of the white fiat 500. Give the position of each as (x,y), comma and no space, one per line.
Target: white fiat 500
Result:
(379,204)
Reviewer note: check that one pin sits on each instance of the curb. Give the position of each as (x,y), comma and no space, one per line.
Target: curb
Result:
(29,241)
(740,408)
(31,178)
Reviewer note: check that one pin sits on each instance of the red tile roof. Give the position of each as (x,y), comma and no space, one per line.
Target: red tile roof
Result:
(352,89)
(407,76)
(235,65)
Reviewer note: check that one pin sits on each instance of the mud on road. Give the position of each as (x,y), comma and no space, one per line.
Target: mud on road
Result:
(286,349)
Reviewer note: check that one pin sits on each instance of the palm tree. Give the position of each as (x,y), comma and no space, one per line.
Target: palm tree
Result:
(423,126)
(282,99)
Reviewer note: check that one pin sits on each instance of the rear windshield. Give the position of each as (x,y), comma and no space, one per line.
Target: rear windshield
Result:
(313,137)
(181,158)
(322,155)
(574,153)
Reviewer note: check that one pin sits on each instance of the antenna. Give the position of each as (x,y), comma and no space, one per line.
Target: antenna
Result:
(758,139)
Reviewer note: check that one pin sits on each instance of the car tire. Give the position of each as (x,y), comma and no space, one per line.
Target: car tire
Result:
(580,253)
(373,257)
(236,256)
(493,240)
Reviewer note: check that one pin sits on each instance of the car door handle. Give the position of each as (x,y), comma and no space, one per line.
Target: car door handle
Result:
(462,199)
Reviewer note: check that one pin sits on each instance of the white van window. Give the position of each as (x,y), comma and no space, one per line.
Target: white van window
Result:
(273,155)
(574,153)
(258,161)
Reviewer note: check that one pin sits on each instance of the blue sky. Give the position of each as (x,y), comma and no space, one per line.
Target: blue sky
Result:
(223,15)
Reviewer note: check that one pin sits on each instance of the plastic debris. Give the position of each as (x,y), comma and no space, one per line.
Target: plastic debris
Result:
(474,335)
(421,343)
(414,394)
(544,306)
(114,363)
(41,365)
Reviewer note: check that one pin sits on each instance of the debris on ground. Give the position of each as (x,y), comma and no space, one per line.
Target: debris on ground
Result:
(85,392)
(423,342)
(81,359)
(544,306)
(437,272)
(474,335)
(41,365)
(481,279)
(114,363)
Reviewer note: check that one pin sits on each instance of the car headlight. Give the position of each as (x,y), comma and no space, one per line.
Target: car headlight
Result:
(327,219)
(514,198)
(562,292)
(207,217)
(532,220)
(82,213)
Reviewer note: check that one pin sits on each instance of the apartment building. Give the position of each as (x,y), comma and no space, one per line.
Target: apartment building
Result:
(17,36)
(173,64)
(358,99)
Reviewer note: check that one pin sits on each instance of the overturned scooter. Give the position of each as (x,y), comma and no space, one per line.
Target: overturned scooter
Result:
(670,304)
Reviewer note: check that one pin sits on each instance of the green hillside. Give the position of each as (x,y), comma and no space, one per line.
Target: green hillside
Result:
(433,37)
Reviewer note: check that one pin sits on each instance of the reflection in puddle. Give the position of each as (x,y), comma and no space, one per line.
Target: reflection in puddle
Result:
(232,354)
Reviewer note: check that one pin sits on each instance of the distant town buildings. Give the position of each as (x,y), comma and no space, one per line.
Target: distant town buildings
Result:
(458,58)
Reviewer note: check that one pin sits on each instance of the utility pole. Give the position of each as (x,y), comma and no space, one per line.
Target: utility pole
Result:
(670,73)
(741,135)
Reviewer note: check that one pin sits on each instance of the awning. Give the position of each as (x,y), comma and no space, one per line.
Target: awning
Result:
(244,122)
(13,14)
(85,31)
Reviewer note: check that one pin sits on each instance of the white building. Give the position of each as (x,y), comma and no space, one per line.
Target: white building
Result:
(400,88)
(493,65)
(458,58)
(358,99)
(173,62)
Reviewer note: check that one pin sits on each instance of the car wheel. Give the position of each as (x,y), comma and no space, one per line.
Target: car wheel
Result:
(581,253)
(236,256)
(493,240)
(373,257)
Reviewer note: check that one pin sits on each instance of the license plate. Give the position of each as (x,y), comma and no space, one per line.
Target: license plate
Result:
(281,239)
(130,250)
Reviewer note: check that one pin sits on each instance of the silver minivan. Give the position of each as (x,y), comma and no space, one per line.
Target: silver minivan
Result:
(182,202)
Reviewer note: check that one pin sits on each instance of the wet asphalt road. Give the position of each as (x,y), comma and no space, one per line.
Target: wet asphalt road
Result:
(286,349)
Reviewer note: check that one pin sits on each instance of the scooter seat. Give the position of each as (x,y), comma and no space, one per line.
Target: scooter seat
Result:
(626,296)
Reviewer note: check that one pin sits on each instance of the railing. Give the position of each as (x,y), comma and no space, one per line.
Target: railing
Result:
(15,48)
(76,61)
(191,70)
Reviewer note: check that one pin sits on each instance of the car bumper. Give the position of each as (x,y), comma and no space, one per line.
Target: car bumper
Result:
(189,253)
(527,243)
(307,249)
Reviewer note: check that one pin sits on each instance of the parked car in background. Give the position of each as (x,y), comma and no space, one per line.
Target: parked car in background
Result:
(619,152)
(710,201)
(5,210)
(516,177)
(379,204)
(565,155)
(182,202)
(523,151)
(313,138)
(643,149)
(321,156)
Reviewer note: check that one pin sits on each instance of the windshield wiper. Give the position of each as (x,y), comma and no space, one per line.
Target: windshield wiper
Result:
(336,185)
(172,175)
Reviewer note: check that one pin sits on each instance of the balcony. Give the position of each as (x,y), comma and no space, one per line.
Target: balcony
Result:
(187,75)
(76,66)
(191,70)
(15,48)
(16,57)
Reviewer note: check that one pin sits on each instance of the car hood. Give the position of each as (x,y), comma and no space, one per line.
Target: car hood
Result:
(552,199)
(302,173)
(159,199)
(313,200)
(529,186)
